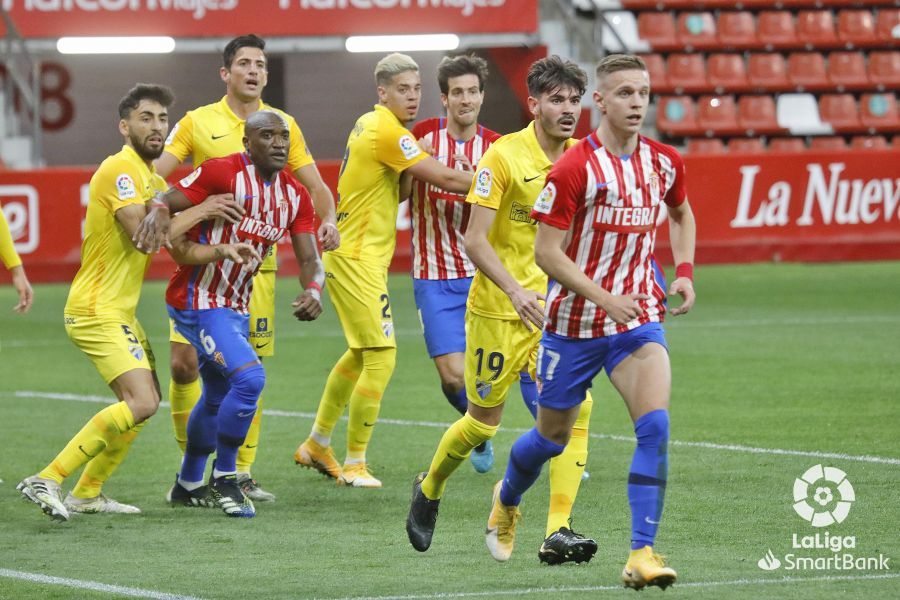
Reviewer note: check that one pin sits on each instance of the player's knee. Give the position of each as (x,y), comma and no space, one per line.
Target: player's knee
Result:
(183,370)
(653,428)
(379,360)
(453,383)
(249,383)
(142,403)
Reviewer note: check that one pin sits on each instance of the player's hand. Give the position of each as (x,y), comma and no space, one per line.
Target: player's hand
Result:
(222,206)
(307,306)
(529,307)
(623,309)
(239,253)
(329,236)
(426,146)
(683,287)
(153,231)
(23,287)
(463,160)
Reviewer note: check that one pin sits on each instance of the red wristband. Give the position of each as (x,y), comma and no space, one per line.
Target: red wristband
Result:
(314,286)
(685,269)
(157,203)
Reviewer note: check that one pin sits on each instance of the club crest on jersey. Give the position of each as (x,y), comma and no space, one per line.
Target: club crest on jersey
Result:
(125,187)
(137,351)
(191,178)
(544,203)
(260,231)
(483,182)
(653,182)
(408,147)
(483,388)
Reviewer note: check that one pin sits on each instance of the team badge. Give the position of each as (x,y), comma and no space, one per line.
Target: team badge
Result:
(483,182)
(187,181)
(544,203)
(219,358)
(483,388)
(125,187)
(408,147)
(387,327)
(137,351)
(654,183)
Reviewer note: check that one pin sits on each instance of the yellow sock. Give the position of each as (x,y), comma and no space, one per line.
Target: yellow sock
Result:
(566,470)
(183,397)
(96,434)
(365,401)
(454,449)
(338,388)
(247,453)
(101,467)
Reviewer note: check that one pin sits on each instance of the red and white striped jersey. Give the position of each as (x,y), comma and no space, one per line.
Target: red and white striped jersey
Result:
(440,218)
(609,205)
(272,210)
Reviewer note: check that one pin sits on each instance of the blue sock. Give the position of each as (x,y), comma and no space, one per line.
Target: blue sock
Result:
(457,399)
(236,413)
(529,392)
(202,425)
(527,457)
(647,477)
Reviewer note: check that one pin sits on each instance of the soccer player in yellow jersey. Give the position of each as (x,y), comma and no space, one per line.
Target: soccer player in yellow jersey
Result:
(214,131)
(13,264)
(100,311)
(378,150)
(505,311)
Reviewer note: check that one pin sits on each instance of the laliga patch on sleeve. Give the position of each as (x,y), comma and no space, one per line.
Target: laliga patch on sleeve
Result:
(483,182)
(409,147)
(191,178)
(125,187)
(544,203)
(172,133)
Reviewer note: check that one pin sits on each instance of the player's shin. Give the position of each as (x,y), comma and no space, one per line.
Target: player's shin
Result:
(529,392)
(183,397)
(338,387)
(235,415)
(202,427)
(101,467)
(247,452)
(365,401)
(647,477)
(456,445)
(526,458)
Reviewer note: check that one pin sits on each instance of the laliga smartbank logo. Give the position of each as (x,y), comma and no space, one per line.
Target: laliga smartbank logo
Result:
(823,496)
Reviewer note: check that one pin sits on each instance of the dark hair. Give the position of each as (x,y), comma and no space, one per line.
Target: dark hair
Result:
(144,91)
(244,41)
(464,64)
(548,74)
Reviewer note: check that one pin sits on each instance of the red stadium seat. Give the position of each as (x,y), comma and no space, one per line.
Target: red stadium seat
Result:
(737,30)
(697,31)
(775,29)
(840,111)
(687,73)
(885,23)
(828,143)
(717,115)
(878,112)
(677,116)
(884,69)
(656,68)
(895,141)
(869,142)
(815,28)
(746,146)
(706,146)
(847,71)
(787,145)
(856,28)
(756,115)
(768,72)
(806,71)
(658,30)
(727,73)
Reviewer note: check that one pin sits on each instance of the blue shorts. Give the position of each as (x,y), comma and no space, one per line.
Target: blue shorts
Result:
(566,366)
(442,312)
(219,335)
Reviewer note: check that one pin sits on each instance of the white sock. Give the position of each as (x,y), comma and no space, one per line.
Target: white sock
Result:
(190,485)
(217,473)
(321,440)
(354,461)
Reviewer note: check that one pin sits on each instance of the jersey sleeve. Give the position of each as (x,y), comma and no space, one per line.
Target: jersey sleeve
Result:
(180,142)
(491,180)
(677,194)
(396,147)
(118,186)
(8,253)
(299,155)
(304,220)
(212,177)
(565,188)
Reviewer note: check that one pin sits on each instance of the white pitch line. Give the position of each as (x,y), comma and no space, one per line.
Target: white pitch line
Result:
(611,588)
(884,460)
(93,586)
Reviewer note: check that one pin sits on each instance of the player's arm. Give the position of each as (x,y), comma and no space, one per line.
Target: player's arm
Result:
(188,252)
(13,263)
(406,185)
(166,164)
(323,201)
(437,174)
(683,235)
(308,305)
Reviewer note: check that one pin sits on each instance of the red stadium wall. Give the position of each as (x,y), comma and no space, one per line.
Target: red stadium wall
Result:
(797,207)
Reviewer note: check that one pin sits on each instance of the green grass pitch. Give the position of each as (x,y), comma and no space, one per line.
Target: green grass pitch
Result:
(792,360)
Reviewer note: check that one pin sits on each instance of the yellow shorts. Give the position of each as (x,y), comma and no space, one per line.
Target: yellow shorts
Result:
(358,291)
(497,351)
(262,316)
(115,345)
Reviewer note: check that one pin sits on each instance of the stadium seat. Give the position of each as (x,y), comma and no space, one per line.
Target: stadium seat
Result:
(799,114)
(677,116)
(828,143)
(717,115)
(727,73)
(878,112)
(775,29)
(806,71)
(886,26)
(787,145)
(746,146)
(737,31)
(847,71)
(815,28)
(658,30)
(756,115)
(687,73)
(884,69)
(895,141)
(659,79)
(840,111)
(768,72)
(856,28)
(869,142)
(706,146)
(697,31)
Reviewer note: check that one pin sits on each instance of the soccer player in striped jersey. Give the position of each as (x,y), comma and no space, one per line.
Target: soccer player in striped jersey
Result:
(209,305)
(13,264)
(595,240)
(505,314)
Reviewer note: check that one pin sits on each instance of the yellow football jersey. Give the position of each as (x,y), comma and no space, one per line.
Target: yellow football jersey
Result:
(112,269)
(214,131)
(509,178)
(8,253)
(378,150)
